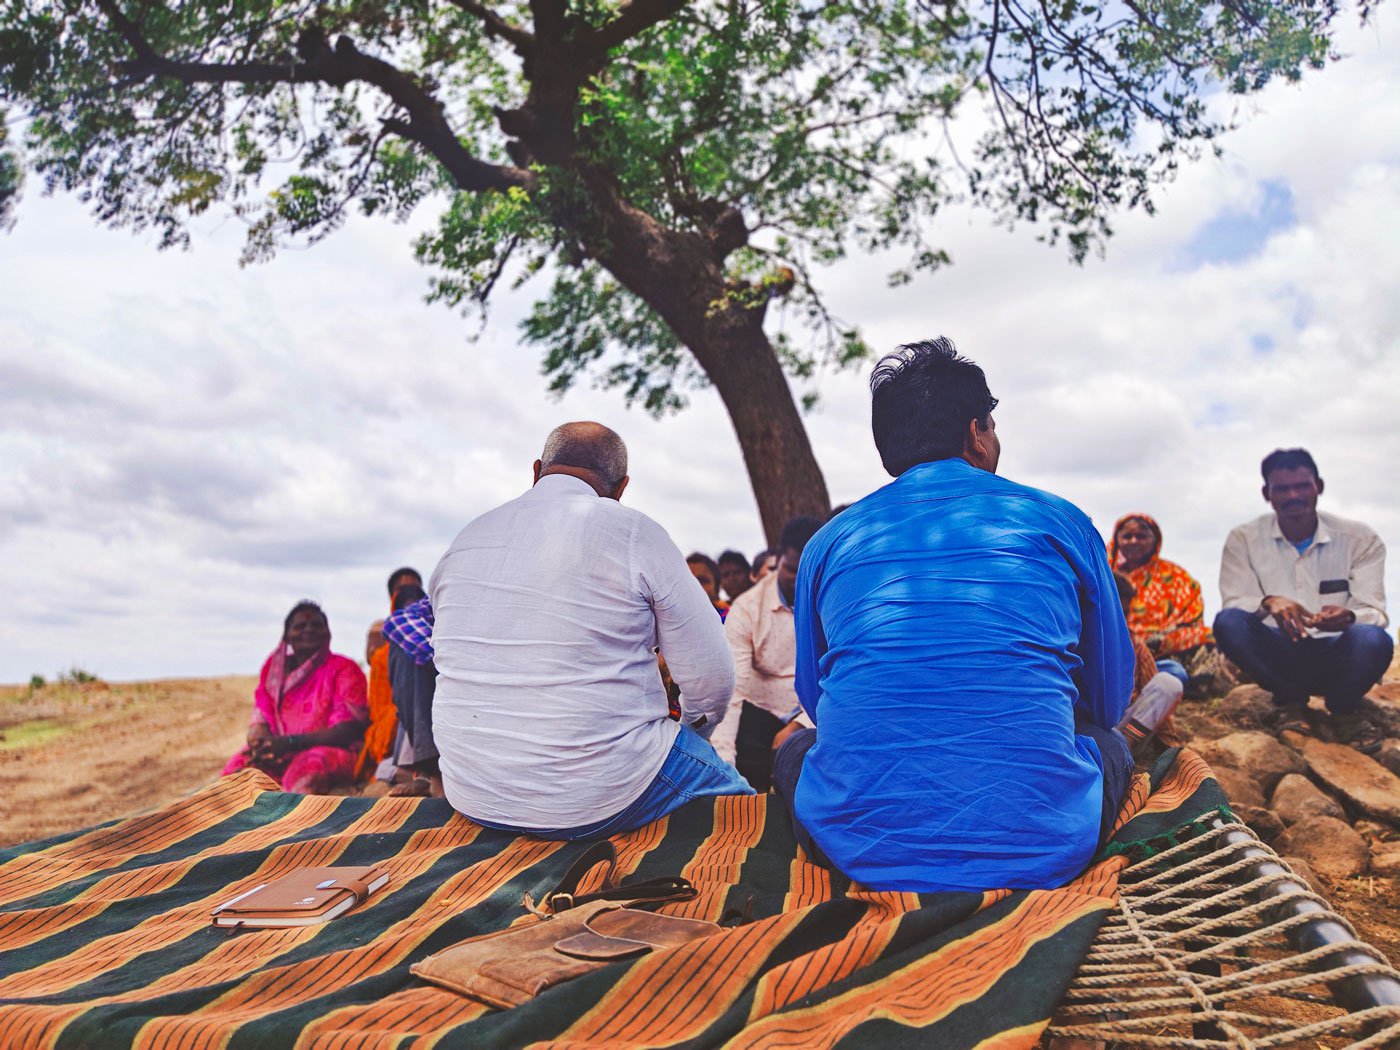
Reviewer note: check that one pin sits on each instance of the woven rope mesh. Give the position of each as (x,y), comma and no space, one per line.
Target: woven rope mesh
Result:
(1198,955)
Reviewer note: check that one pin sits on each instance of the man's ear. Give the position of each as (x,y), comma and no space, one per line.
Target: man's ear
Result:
(974,444)
(617,492)
(538,463)
(1319,486)
(1265,491)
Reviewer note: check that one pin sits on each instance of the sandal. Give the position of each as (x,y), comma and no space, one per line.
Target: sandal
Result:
(1358,732)
(1293,718)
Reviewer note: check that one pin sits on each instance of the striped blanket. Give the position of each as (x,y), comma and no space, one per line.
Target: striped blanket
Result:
(105,938)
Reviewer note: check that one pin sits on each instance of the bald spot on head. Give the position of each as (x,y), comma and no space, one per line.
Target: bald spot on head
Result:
(589,447)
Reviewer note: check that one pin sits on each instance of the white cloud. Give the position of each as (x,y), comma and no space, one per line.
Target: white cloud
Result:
(190,447)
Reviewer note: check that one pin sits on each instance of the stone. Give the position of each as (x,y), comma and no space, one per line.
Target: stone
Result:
(1257,755)
(1304,871)
(1297,798)
(1238,788)
(1385,860)
(1371,831)
(1389,756)
(1264,822)
(1364,784)
(1329,846)
(1248,707)
(1382,706)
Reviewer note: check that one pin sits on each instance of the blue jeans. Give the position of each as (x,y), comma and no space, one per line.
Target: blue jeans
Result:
(692,770)
(1340,668)
(1176,669)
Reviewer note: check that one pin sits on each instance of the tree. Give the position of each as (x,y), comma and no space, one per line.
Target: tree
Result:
(11,176)
(677,172)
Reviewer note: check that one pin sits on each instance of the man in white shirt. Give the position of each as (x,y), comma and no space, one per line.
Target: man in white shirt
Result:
(761,635)
(1304,603)
(550,716)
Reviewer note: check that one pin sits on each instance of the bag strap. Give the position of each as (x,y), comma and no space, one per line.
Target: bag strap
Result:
(652,891)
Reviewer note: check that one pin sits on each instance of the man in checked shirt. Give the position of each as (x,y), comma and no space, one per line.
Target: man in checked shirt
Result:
(1304,603)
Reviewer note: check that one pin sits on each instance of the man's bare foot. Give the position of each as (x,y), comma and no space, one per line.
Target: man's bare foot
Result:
(418,787)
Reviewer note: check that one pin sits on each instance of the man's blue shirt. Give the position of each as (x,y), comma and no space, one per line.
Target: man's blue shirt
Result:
(951,629)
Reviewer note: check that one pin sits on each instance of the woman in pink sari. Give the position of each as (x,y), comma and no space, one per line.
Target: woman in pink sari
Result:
(309,710)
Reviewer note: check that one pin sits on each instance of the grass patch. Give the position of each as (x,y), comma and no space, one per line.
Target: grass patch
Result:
(31,734)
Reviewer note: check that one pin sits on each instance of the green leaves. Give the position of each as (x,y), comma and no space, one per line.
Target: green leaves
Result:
(588,322)
(760,140)
(11,176)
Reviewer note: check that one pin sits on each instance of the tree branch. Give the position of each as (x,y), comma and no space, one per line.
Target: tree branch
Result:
(550,17)
(337,67)
(635,17)
(128,30)
(522,40)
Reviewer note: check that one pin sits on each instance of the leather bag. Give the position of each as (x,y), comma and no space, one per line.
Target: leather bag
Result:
(565,937)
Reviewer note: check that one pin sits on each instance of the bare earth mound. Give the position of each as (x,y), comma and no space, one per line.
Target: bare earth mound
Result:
(76,755)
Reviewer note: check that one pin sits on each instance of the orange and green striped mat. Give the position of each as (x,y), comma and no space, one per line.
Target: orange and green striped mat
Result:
(105,938)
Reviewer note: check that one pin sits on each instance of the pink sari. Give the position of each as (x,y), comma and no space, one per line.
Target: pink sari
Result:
(322,691)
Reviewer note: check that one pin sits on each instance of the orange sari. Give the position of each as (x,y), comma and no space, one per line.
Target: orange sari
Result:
(383,717)
(1168,600)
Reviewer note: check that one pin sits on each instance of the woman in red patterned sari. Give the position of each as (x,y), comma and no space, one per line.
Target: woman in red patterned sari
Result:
(309,710)
(1167,612)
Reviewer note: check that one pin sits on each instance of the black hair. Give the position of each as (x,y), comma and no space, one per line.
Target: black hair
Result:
(735,558)
(922,396)
(1287,459)
(1126,591)
(760,558)
(405,571)
(305,603)
(407,595)
(797,532)
(705,560)
(1148,524)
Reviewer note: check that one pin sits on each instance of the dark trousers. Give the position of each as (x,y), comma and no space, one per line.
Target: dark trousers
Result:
(787,767)
(1117,758)
(1340,668)
(753,746)
(414,684)
(1113,749)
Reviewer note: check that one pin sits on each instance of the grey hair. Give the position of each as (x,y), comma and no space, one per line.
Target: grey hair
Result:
(586,446)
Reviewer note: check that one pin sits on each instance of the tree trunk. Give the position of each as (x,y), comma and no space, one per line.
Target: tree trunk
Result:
(783,471)
(680,275)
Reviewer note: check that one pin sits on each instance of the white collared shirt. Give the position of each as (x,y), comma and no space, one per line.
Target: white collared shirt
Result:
(550,711)
(1345,565)
(764,642)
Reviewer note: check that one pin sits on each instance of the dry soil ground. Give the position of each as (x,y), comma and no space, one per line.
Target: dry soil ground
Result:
(76,755)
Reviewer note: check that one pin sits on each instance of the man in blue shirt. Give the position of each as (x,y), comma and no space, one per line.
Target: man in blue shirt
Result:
(963,655)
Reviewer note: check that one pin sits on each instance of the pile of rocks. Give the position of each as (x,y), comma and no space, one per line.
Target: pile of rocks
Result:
(1326,808)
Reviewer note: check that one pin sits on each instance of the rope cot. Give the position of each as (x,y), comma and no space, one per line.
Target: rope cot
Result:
(1217,943)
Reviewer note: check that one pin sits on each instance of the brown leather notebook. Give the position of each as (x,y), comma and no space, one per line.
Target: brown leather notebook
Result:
(303,898)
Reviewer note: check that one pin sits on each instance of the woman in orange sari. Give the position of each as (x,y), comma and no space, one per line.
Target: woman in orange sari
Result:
(1167,613)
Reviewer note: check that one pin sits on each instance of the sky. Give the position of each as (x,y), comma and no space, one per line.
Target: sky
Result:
(190,447)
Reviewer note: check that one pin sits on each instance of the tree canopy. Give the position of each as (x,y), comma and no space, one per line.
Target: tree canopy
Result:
(674,175)
(10,176)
